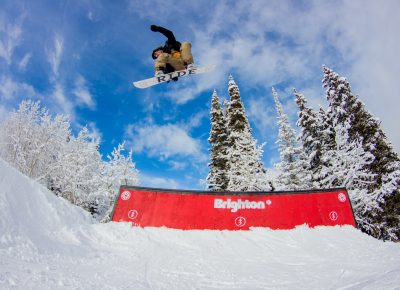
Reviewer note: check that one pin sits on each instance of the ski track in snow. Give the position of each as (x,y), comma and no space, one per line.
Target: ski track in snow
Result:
(45,243)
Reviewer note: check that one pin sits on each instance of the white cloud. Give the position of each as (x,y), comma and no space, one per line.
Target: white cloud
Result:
(157,182)
(163,141)
(263,115)
(95,10)
(176,165)
(24,61)
(54,55)
(11,89)
(11,36)
(249,49)
(156,9)
(90,16)
(95,132)
(62,101)
(83,94)
(196,119)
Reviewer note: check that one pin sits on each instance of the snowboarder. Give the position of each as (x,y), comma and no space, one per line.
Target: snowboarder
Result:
(172,61)
(173,56)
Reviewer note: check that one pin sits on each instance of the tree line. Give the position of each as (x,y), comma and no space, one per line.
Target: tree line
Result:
(340,146)
(44,148)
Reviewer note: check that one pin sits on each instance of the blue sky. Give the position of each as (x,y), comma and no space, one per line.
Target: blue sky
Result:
(80,58)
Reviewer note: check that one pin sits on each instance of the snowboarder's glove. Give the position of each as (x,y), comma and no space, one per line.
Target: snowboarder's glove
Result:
(154,28)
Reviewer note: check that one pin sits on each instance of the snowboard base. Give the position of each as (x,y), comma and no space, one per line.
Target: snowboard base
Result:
(169,76)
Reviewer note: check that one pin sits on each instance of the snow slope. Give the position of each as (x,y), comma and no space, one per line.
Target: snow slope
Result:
(45,243)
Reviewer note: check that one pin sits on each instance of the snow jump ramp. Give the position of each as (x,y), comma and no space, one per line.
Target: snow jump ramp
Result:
(198,210)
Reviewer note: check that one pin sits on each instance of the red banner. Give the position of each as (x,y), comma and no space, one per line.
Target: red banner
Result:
(187,210)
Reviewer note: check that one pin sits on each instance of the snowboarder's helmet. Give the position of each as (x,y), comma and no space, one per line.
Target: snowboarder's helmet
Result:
(153,53)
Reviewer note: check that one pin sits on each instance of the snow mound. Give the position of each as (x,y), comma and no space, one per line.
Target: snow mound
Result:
(31,213)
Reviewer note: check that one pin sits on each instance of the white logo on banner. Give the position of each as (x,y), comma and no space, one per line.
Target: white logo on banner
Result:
(234,206)
(342,197)
(125,195)
(333,215)
(268,202)
(240,221)
(132,214)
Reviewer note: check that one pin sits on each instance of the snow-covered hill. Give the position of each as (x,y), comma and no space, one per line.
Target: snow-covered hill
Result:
(46,243)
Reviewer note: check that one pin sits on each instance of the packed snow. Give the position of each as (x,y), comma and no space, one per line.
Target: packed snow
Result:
(47,243)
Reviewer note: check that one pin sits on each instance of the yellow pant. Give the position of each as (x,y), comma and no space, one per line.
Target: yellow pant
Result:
(176,59)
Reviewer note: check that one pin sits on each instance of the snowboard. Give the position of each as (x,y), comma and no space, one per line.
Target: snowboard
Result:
(169,76)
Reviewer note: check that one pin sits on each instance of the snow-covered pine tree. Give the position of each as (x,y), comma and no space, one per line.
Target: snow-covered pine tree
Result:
(346,107)
(327,135)
(327,129)
(118,170)
(310,135)
(294,173)
(217,179)
(346,166)
(245,169)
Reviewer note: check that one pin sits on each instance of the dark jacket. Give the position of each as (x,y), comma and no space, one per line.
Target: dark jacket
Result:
(170,44)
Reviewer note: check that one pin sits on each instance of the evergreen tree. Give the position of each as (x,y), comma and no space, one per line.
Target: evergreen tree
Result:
(327,139)
(310,135)
(245,169)
(327,130)
(217,179)
(294,173)
(345,166)
(363,127)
